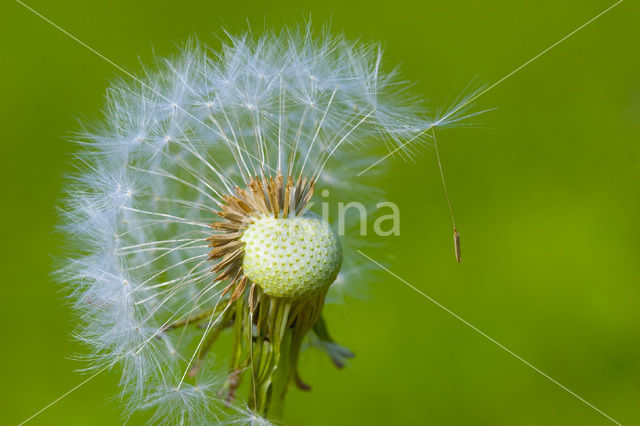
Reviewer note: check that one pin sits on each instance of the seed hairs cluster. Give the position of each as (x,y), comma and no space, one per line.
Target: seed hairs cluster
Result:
(188,217)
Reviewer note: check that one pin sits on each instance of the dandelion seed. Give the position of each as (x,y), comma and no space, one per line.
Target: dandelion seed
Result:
(195,194)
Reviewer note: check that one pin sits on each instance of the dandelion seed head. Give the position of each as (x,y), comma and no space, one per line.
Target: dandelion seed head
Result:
(163,212)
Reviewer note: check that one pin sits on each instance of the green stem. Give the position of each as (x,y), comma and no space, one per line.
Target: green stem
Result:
(268,341)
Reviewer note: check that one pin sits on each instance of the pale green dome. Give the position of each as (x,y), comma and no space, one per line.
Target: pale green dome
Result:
(291,257)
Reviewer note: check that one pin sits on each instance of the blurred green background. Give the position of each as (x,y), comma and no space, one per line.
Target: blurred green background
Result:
(546,191)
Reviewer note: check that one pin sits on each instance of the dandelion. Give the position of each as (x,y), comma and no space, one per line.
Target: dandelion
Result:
(189,217)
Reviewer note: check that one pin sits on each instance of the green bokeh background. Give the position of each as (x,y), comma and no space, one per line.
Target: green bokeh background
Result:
(546,191)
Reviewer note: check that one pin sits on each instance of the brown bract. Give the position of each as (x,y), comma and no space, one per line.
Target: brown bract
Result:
(261,197)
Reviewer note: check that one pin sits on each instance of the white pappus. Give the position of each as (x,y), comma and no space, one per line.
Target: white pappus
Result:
(177,149)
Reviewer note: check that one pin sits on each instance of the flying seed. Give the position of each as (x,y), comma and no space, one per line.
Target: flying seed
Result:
(456,242)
